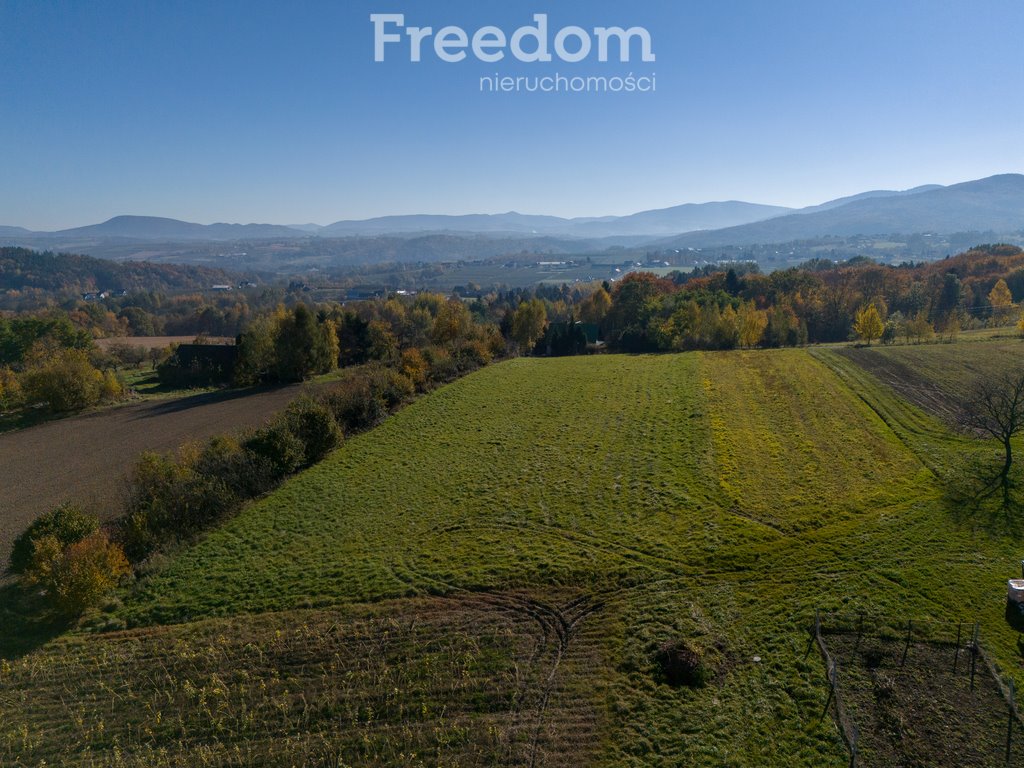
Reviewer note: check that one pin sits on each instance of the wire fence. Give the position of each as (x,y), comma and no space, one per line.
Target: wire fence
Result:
(959,643)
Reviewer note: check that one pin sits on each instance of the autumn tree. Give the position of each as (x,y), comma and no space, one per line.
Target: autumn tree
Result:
(918,328)
(452,322)
(868,325)
(1002,302)
(528,323)
(256,351)
(415,366)
(596,306)
(64,380)
(752,323)
(67,523)
(634,301)
(77,576)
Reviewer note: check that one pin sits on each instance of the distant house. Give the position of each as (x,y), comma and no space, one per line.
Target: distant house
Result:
(364,292)
(199,365)
(222,288)
(221,356)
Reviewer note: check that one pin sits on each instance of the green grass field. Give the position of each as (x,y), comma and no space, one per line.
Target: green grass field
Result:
(485,579)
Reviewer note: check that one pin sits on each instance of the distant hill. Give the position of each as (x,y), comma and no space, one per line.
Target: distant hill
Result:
(680,218)
(992,205)
(995,204)
(511,222)
(25,270)
(157,228)
(841,201)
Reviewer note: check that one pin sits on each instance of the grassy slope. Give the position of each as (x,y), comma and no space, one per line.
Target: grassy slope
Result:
(721,497)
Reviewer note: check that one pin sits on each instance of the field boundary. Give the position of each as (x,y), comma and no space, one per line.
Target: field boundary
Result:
(847,729)
(937,634)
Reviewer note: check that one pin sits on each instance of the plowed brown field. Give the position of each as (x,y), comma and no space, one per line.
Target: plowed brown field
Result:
(85,458)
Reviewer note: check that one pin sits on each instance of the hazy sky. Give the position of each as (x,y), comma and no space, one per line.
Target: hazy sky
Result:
(277,112)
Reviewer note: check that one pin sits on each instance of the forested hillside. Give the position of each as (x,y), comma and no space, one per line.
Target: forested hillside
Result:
(26,274)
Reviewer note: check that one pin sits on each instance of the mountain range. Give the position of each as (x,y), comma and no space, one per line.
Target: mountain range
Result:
(993,204)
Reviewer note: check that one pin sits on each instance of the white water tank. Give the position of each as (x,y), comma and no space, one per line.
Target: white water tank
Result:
(1015,590)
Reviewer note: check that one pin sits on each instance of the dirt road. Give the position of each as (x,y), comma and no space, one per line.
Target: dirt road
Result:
(85,458)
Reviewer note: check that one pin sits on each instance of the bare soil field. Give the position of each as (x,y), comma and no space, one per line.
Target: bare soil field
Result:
(85,458)
(937,377)
(156,342)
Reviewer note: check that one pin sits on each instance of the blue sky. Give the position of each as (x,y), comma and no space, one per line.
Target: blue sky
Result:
(276,112)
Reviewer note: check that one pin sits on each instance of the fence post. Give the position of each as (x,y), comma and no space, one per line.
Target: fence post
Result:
(1012,717)
(906,645)
(956,655)
(974,654)
(831,672)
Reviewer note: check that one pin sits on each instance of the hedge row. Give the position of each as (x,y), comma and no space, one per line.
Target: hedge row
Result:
(174,498)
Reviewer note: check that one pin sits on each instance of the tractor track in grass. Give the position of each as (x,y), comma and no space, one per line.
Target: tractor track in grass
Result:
(558,626)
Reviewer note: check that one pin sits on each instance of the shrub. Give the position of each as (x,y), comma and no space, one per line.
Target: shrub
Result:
(275,443)
(415,367)
(442,367)
(10,390)
(355,405)
(392,387)
(65,380)
(681,664)
(243,472)
(78,576)
(67,524)
(127,354)
(111,388)
(169,500)
(472,355)
(314,424)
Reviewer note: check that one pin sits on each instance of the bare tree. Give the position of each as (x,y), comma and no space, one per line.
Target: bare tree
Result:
(996,409)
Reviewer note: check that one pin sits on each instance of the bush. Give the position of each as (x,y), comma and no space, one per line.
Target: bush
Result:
(442,367)
(243,472)
(415,367)
(67,524)
(10,390)
(393,388)
(472,355)
(681,664)
(125,355)
(275,443)
(314,424)
(78,576)
(65,381)
(355,405)
(111,388)
(168,500)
